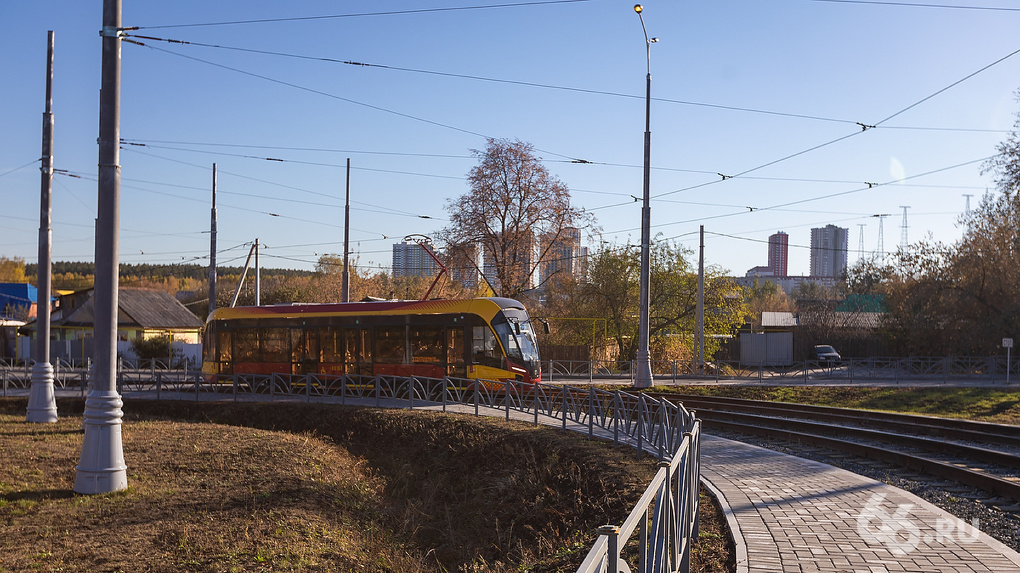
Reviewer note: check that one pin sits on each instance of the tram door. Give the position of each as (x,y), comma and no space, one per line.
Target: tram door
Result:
(455,364)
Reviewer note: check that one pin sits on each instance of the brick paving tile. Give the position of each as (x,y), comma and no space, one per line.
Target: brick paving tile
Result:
(797,515)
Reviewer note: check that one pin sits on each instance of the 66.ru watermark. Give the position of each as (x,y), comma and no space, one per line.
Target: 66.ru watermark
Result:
(901,535)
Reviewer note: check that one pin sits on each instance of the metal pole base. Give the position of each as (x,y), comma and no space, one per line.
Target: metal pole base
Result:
(643,371)
(42,406)
(101,468)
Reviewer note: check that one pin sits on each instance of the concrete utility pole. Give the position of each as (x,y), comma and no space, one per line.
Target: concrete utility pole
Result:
(244,273)
(42,405)
(212,247)
(258,276)
(101,468)
(643,367)
(700,314)
(345,288)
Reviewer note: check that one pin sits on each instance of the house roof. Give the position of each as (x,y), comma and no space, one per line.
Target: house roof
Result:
(139,308)
(778,319)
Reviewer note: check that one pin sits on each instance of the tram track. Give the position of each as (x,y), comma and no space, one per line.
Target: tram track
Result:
(958,450)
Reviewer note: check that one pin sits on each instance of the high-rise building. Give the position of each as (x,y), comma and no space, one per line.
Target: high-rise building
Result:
(462,263)
(779,249)
(411,260)
(828,251)
(563,255)
(520,264)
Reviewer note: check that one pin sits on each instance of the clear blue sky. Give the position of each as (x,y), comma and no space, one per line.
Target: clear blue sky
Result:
(571,79)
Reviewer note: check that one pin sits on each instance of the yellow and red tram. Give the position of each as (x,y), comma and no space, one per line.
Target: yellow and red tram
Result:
(481,338)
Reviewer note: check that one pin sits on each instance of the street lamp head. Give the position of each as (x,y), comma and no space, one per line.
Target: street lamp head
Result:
(638,8)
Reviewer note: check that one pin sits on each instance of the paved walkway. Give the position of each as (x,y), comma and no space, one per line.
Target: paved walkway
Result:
(789,514)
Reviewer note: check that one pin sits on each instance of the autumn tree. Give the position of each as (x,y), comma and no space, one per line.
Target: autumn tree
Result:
(612,291)
(12,270)
(766,296)
(515,211)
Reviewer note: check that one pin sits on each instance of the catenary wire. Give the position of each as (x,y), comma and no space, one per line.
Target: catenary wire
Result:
(357,15)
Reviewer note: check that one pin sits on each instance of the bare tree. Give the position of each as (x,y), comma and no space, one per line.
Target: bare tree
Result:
(515,211)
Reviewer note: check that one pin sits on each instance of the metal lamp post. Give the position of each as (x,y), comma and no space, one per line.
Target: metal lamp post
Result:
(42,405)
(101,468)
(643,368)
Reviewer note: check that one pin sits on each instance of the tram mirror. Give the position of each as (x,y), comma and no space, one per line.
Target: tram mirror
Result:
(517,328)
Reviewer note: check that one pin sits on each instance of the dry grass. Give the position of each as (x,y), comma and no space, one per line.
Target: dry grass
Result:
(276,487)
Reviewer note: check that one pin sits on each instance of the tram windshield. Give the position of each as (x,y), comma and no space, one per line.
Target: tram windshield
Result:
(518,337)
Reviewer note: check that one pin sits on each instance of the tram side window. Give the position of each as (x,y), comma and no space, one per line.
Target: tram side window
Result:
(358,351)
(275,345)
(331,344)
(389,345)
(484,349)
(223,345)
(305,345)
(247,342)
(427,344)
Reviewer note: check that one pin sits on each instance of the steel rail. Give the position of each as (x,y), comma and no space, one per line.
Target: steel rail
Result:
(973,453)
(983,481)
(931,425)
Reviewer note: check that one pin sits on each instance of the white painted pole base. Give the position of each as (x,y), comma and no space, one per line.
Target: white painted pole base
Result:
(101,468)
(42,406)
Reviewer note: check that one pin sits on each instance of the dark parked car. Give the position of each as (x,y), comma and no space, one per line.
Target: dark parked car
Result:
(827,354)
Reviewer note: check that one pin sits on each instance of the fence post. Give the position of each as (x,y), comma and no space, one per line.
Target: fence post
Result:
(506,397)
(591,409)
(640,425)
(643,565)
(612,534)
(535,402)
(563,406)
(476,395)
(616,417)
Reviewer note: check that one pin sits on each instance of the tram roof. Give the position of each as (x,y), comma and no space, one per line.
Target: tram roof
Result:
(483,306)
